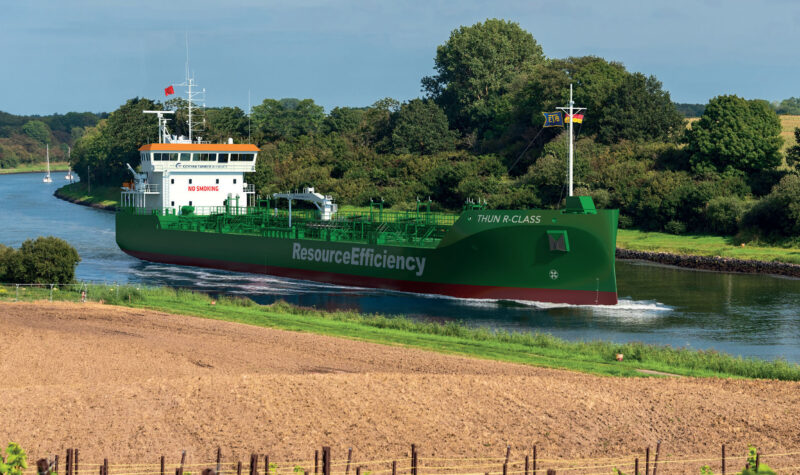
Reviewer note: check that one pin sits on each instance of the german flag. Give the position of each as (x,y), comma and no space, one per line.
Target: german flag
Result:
(576,118)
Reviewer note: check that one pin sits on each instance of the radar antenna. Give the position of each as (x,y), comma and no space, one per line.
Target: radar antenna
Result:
(163,133)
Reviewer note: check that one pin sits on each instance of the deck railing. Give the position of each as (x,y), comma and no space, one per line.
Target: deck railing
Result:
(300,215)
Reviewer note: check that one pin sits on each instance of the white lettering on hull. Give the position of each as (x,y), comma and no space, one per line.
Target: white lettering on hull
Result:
(360,256)
(515,219)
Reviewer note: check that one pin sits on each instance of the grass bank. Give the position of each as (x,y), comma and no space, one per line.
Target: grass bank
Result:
(705,245)
(536,349)
(101,196)
(36,167)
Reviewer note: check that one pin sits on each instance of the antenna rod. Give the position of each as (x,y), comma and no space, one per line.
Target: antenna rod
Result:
(249,110)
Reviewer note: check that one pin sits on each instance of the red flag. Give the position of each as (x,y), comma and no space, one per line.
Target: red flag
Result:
(169,90)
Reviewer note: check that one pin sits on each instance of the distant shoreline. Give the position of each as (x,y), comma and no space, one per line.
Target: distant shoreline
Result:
(54,167)
(712,263)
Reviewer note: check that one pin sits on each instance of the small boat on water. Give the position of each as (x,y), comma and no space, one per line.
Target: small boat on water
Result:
(47,178)
(69,176)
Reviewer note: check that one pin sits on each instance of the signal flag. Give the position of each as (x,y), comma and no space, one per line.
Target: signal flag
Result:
(577,118)
(169,90)
(552,119)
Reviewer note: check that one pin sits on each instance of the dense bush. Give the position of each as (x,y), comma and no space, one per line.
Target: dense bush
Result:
(45,260)
(778,214)
(723,214)
(674,227)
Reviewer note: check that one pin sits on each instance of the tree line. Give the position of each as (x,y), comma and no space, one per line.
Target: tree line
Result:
(23,139)
(476,132)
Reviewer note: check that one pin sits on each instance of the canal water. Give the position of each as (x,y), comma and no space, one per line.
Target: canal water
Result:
(747,315)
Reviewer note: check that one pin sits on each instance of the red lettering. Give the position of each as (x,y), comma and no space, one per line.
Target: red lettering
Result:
(191,188)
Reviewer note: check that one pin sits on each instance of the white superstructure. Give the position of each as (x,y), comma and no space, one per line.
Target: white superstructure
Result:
(178,171)
(199,175)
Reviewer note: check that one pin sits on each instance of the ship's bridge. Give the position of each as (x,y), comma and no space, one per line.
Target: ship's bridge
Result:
(199,175)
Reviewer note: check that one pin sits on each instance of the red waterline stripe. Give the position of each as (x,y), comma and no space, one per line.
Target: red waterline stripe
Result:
(573,297)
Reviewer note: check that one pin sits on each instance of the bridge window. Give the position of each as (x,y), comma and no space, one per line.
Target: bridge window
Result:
(206,157)
(185,157)
(223,158)
(173,157)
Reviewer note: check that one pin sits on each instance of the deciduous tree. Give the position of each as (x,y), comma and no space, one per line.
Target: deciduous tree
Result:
(737,133)
(475,68)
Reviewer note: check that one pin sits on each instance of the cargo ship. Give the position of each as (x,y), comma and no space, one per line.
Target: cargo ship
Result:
(190,205)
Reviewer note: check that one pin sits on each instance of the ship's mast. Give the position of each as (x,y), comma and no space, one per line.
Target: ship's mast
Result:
(571,110)
(191,94)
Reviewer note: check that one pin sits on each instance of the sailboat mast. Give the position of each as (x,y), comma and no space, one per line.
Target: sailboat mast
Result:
(48,159)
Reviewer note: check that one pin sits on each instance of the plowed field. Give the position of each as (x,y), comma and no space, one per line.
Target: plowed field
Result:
(131,385)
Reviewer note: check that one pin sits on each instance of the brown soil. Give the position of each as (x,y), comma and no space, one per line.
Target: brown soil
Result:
(131,385)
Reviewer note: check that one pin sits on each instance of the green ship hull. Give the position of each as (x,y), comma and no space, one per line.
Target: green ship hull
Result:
(534,255)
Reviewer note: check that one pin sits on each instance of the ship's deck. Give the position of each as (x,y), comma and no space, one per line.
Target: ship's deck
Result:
(394,228)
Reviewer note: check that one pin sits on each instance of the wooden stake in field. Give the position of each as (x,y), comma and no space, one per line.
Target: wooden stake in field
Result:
(316,462)
(526,465)
(162,465)
(655,462)
(647,461)
(266,465)
(349,459)
(723,459)
(413,459)
(219,459)
(534,460)
(42,467)
(75,462)
(326,461)
(394,467)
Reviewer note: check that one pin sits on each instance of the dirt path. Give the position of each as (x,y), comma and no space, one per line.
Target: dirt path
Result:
(127,384)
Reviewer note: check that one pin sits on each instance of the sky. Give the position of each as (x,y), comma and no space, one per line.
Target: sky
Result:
(92,55)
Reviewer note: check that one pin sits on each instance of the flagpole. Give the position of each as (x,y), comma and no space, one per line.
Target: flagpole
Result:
(571,120)
(571,111)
